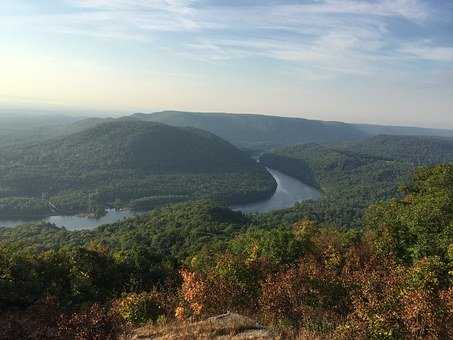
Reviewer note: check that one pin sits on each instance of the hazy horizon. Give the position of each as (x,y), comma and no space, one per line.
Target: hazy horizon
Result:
(106,114)
(387,62)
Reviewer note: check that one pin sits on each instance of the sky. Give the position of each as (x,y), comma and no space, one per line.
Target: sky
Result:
(370,61)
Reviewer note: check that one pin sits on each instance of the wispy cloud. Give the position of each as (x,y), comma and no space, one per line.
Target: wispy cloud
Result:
(426,50)
(147,15)
(192,14)
(339,36)
(409,9)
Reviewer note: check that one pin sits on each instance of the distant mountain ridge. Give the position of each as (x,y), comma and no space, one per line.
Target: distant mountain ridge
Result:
(258,131)
(27,129)
(249,131)
(417,150)
(266,132)
(403,130)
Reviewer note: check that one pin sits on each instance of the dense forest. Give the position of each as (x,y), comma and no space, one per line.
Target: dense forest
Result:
(354,175)
(126,163)
(372,259)
(389,279)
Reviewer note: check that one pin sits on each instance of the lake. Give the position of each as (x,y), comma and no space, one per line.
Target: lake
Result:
(289,192)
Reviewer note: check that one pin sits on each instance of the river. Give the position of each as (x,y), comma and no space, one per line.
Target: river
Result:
(289,191)
(76,222)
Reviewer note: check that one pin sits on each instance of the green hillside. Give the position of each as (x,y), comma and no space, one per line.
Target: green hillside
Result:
(418,150)
(354,175)
(121,161)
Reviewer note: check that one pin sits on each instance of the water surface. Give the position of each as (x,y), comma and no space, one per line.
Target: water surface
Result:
(289,192)
(77,222)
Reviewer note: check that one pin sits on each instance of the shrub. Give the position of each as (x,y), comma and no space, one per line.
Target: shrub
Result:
(93,323)
(138,308)
(308,294)
(194,291)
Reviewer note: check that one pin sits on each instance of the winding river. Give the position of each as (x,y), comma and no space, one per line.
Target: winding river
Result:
(289,192)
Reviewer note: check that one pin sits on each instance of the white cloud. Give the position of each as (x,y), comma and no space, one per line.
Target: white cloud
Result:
(347,36)
(427,51)
(408,9)
(167,15)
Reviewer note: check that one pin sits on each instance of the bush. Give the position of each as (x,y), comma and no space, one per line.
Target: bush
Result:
(94,323)
(140,308)
(308,295)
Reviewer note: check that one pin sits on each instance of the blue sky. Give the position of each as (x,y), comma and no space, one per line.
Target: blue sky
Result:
(380,61)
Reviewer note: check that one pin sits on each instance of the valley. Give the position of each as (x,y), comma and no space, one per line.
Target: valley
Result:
(202,169)
(126,164)
(137,163)
(143,221)
(289,191)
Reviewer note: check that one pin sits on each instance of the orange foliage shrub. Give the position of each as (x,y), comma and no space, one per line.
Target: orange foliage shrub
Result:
(180,313)
(309,294)
(194,291)
(375,301)
(232,284)
(138,308)
(420,314)
(95,323)
(446,297)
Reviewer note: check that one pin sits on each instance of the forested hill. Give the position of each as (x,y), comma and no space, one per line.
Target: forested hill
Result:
(354,175)
(126,160)
(418,150)
(259,131)
(128,144)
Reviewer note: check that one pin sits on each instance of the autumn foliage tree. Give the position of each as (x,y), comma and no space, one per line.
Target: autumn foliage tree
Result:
(390,280)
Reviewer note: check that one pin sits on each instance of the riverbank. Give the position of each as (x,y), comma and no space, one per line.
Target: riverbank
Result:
(288,192)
